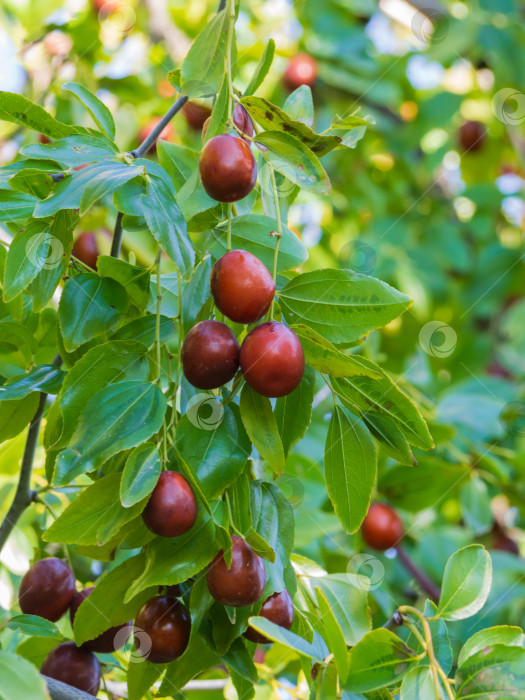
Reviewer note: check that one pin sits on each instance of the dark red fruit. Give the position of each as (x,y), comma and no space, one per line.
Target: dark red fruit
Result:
(243,583)
(167,624)
(172,508)
(227,168)
(210,355)
(278,608)
(302,70)
(73,665)
(196,114)
(272,359)
(472,136)
(241,120)
(86,249)
(167,134)
(382,527)
(241,286)
(107,642)
(47,589)
(106,7)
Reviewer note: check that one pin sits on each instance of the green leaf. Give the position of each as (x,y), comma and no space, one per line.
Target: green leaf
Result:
(294,160)
(299,105)
(502,634)
(105,607)
(33,181)
(251,232)
(135,280)
(95,516)
(418,683)
(46,378)
(287,638)
(73,150)
(140,474)
(203,67)
(212,444)
(334,636)
(27,255)
(143,330)
(320,354)
(341,305)
(99,112)
(382,395)
(20,679)
(34,626)
(219,115)
(16,415)
(350,467)
(261,426)
(84,187)
(16,206)
(262,68)
(294,411)
(380,659)
(119,416)
(466,583)
(140,678)
(18,109)
(495,672)
(277,121)
(474,499)
(387,433)
(90,306)
(167,224)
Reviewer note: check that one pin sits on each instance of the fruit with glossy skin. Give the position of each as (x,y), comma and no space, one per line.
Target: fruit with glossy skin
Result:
(106,7)
(241,286)
(172,508)
(227,168)
(86,249)
(210,355)
(241,119)
(272,359)
(278,608)
(302,70)
(167,624)
(110,640)
(382,527)
(241,584)
(73,665)
(47,589)
(196,114)
(167,134)
(472,136)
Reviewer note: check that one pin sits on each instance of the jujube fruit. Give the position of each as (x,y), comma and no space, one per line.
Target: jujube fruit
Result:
(167,624)
(171,509)
(73,665)
(241,119)
(107,642)
(278,608)
(241,584)
(167,134)
(196,114)
(272,359)
(210,355)
(47,589)
(302,70)
(382,527)
(86,249)
(227,168)
(472,136)
(241,286)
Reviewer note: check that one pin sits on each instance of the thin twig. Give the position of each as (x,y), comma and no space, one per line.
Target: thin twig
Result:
(426,584)
(152,137)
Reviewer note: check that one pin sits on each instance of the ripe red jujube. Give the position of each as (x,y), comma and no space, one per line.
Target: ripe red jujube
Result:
(278,608)
(86,249)
(196,114)
(272,359)
(108,641)
(167,624)
(382,527)
(47,589)
(241,584)
(172,508)
(472,136)
(241,286)
(302,70)
(227,168)
(210,355)
(73,665)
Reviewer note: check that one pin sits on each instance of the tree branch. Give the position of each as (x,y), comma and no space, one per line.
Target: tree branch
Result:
(63,691)
(117,236)
(155,133)
(424,581)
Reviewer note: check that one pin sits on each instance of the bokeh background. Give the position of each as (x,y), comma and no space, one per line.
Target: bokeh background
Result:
(431,200)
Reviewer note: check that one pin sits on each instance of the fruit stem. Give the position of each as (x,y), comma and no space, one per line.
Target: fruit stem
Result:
(426,584)
(179,347)
(279,231)
(229,235)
